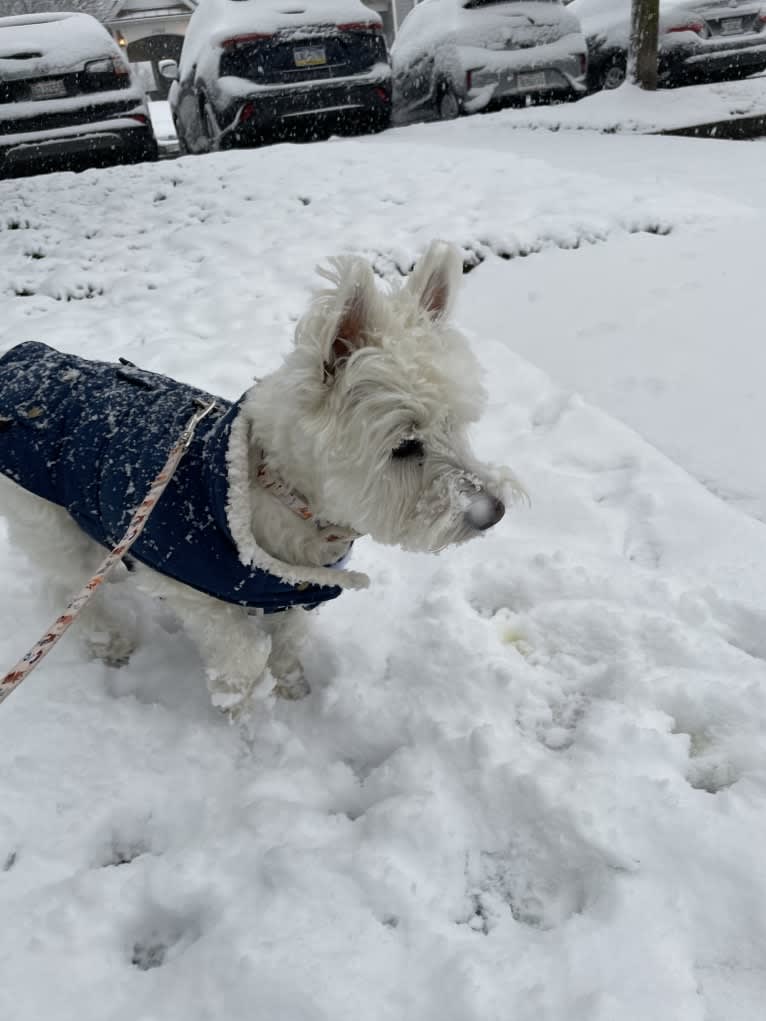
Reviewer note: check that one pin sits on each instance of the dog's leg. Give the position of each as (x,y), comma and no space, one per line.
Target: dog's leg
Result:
(68,557)
(234,647)
(288,632)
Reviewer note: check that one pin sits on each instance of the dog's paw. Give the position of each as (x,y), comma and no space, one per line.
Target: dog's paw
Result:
(113,650)
(232,695)
(292,686)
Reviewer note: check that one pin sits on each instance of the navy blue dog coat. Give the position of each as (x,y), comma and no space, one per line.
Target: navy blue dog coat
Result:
(91,437)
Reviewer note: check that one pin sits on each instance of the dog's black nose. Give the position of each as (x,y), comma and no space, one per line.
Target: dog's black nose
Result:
(484,512)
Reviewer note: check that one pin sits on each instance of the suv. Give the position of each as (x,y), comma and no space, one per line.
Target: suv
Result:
(254,69)
(66,92)
(462,56)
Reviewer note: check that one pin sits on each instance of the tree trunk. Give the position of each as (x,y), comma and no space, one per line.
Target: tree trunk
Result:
(642,55)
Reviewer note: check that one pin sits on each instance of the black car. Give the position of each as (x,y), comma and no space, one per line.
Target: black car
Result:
(711,40)
(67,96)
(256,70)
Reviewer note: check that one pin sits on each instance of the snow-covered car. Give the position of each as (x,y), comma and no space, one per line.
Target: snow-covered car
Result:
(252,70)
(66,91)
(462,56)
(706,41)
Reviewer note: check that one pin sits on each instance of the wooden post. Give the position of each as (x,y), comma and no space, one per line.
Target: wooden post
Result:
(642,54)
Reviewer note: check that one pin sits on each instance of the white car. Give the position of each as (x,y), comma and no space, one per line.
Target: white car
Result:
(462,56)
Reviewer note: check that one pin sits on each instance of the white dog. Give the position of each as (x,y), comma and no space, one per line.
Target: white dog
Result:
(362,431)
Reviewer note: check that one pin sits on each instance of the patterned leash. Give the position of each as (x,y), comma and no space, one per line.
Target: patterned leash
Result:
(40,650)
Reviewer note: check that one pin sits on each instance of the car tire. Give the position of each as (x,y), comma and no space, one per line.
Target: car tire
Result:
(201,142)
(183,148)
(379,122)
(211,128)
(612,75)
(147,152)
(448,105)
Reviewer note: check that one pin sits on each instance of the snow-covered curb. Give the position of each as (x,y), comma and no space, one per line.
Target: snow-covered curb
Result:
(632,110)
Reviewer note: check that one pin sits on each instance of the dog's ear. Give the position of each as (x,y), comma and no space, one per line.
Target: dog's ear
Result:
(351,325)
(435,279)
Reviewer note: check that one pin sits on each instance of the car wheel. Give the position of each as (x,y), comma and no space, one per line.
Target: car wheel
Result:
(210,127)
(448,105)
(183,148)
(146,152)
(613,75)
(379,122)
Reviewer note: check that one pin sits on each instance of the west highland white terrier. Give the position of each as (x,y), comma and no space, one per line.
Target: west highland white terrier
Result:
(361,431)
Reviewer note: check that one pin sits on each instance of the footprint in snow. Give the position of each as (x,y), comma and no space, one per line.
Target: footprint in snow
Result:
(164,935)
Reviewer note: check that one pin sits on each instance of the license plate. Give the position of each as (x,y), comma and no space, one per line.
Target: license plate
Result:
(731,26)
(531,80)
(309,56)
(48,88)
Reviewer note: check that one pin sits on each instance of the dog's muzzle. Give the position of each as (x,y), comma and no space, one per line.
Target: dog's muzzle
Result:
(484,511)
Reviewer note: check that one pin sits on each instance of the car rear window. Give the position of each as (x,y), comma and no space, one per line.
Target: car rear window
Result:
(299,57)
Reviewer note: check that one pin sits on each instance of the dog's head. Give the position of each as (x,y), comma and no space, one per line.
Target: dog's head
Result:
(383,390)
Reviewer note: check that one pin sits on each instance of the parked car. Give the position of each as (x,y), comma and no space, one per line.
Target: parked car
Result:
(706,41)
(462,56)
(253,70)
(66,91)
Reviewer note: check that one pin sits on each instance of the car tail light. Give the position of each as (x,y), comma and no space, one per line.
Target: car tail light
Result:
(689,26)
(246,113)
(112,66)
(381,93)
(361,26)
(242,40)
(762,17)
(140,117)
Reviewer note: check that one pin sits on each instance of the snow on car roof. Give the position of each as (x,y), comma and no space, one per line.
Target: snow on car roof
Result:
(469,23)
(216,20)
(35,43)
(611,18)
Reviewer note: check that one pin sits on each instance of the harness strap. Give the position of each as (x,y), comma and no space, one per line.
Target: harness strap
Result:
(40,649)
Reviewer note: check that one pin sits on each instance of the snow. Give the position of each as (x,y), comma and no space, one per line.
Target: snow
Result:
(529,781)
(630,109)
(162,122)
(18,111)
(231,86)
(55,42)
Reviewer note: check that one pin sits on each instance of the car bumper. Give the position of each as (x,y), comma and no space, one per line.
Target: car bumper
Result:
(269,109)
(713,57)
(543,74)
(115,135)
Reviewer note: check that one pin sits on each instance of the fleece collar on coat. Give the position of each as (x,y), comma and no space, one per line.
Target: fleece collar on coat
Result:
(227,459)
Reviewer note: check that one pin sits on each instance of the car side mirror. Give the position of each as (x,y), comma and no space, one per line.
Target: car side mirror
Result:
(168,69)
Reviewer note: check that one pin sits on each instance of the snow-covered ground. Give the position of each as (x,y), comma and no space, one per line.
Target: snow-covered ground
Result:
(630,109)
(162,122)
(529,781)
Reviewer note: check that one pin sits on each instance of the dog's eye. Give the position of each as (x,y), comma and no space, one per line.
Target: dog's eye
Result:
(408,449)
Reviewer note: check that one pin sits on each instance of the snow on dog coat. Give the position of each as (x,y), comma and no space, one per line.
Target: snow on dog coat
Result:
(91,437)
